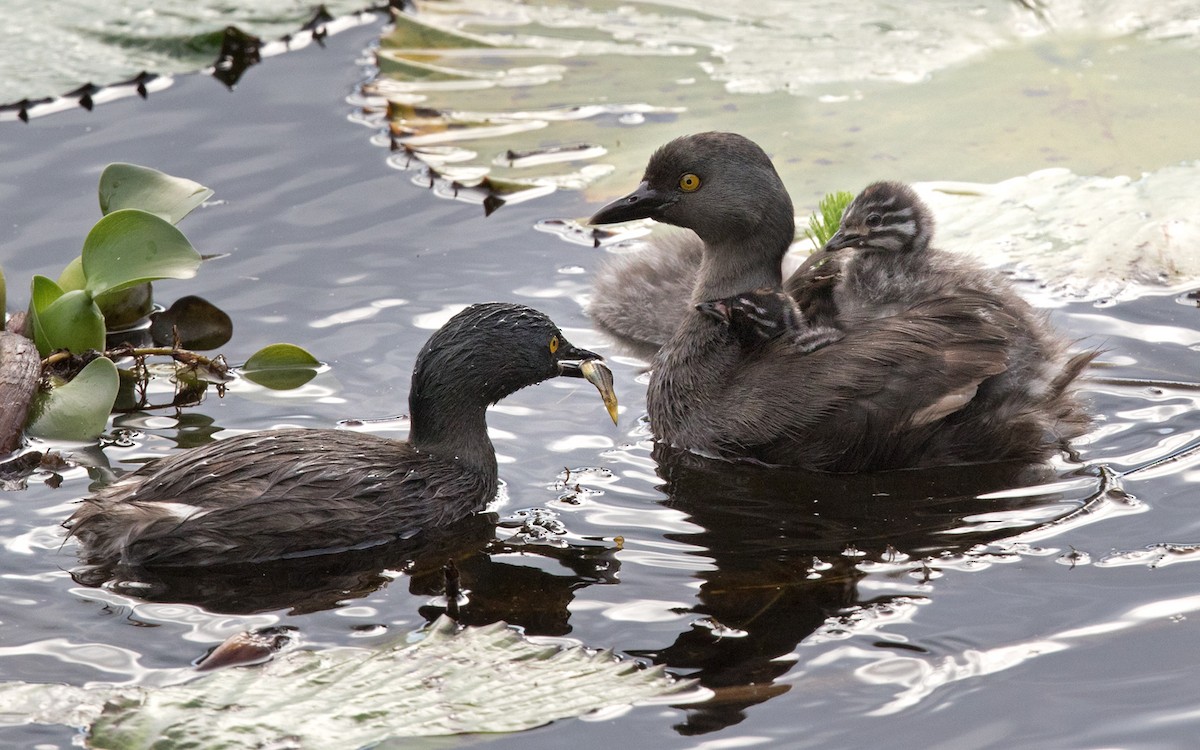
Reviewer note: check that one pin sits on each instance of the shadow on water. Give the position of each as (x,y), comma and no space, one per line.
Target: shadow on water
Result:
(786,546)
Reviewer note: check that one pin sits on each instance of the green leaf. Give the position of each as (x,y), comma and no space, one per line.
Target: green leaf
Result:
(42,291)
(824,224)
(79,409)
(72,276)
(488,679)
(131,186)
(281,367)
(73,321)
(130,247)
(121,308)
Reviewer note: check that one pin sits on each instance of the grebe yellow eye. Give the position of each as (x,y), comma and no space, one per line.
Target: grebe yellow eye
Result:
(689,183)
(553,344)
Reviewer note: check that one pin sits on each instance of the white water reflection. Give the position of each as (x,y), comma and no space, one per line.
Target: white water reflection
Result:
(916,679)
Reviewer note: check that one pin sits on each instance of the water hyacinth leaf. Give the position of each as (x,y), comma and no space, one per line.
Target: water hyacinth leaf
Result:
(125,307)
(130,247)
(72,276)
(488,679)
(201,325)
(122,308)
(70,322)
(132,186)
(77,410)
(42,292)
(281,367)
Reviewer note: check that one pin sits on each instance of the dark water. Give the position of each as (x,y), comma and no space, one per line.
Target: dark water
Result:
(898,610)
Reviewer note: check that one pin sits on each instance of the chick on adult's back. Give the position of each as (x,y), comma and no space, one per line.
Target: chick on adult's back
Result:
(892,393)
(283,493)
(882,263)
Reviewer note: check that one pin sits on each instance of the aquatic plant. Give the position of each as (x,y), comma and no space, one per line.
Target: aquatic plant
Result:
(452,681)
(824,223)
(95,314)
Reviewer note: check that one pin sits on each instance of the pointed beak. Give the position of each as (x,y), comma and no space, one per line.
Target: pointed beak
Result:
(643,203)
(843,238)
(580,363)
(715,309)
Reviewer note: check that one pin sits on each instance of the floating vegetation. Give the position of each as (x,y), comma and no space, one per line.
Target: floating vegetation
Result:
(1086,237)
(100,312)
(430,58)
(451,681)
(170,40)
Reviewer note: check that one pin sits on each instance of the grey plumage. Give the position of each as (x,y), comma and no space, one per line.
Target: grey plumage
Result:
(881,262)
(936,365)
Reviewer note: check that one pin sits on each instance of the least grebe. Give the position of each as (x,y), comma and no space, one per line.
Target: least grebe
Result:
(766,314)
(892,393)
(294,492)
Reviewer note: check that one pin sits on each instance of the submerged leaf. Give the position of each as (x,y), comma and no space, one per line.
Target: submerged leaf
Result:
(488,679)
(201,325)
(281,367)
(131,186)
(130,247)
(125,307)
(79,409)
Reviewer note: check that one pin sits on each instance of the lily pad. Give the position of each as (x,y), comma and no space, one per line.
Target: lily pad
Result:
(281,367)
(77,410)
(132,186)
(130,247)
(488,679)
(201,325)
(412,33)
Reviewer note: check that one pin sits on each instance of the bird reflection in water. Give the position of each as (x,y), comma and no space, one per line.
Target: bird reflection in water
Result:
(764,528)
(522,595)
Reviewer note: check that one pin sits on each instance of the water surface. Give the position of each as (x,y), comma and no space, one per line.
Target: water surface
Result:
(898,611)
